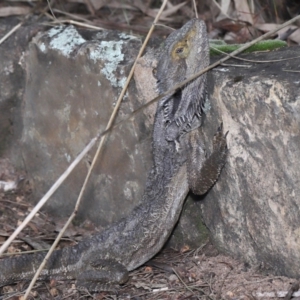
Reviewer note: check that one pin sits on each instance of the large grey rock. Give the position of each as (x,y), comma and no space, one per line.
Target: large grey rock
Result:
(253,210)
(73,81)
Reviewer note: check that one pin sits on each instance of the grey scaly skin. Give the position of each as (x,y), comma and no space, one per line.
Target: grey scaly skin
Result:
(103,261)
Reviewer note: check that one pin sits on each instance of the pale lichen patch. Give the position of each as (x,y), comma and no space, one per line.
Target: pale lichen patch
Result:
(111,54)
(66,40)
(42,47)
(55,30)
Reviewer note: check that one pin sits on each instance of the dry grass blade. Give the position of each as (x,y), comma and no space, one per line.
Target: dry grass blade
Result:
(17,27)
(195,9)
(217,63)
(72,16)
(109,126)
(252,60)
(266,27)
(183,282)
(60,180)
(10,33)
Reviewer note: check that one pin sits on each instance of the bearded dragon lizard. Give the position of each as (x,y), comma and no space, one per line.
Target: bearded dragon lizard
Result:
(102,262)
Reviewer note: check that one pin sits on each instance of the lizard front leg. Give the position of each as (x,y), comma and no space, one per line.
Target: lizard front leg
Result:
(203,172)
(102,275)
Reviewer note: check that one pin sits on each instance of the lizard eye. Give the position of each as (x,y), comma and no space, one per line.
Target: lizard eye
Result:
(179,50)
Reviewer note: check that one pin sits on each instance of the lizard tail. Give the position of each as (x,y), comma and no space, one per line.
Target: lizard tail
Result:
(23,267)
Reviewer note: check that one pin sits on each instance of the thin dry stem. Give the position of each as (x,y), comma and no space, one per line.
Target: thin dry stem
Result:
(254,60)
(11,32)
(195,9)
(183,281)
(59,181)
(217,63)
(50,8)
(74,16)
(109,125)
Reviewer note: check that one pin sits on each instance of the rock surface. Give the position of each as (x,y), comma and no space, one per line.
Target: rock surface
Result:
(74,79)
(12,85)
(253,210)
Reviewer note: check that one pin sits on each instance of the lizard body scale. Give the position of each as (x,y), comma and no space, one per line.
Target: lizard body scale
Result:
(103,260)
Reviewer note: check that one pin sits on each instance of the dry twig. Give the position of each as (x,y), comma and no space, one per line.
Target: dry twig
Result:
(108,127)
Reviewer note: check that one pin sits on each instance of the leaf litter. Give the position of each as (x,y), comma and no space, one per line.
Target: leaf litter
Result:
(203,273)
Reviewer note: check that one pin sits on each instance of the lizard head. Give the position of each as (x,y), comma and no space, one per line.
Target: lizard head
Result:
(186,52)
